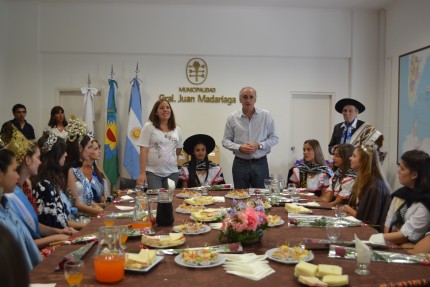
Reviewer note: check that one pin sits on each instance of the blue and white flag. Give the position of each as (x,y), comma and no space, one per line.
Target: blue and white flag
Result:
(132,151)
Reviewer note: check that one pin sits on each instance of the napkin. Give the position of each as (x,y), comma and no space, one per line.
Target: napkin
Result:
(218,198)
(122,207)
(352,219)
(216,225)
(363,252)
(312,203)
(377,239)
(171,184)
(249,265)
(125,198)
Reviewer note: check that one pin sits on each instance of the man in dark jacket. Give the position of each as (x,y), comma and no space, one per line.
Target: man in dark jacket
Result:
(342,132)
(19,112)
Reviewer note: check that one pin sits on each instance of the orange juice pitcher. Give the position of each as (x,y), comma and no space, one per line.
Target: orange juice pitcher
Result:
(141,213)
(109,260)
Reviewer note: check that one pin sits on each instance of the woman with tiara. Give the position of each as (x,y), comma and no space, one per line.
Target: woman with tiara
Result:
(78,167)
(49,184)
(22,200)
(8,217)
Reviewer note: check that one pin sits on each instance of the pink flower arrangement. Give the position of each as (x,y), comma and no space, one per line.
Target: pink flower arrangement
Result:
(243,222)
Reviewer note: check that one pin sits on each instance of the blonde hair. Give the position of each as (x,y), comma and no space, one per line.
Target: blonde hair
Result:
(369,171)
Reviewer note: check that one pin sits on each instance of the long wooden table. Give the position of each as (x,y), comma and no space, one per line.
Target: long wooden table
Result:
(168,273)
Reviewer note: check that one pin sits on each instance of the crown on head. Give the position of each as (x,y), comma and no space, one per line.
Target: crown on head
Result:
(16,142)
(76,129)
(51,140)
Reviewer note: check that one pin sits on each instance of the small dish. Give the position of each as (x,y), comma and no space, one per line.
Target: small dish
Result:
(146,269)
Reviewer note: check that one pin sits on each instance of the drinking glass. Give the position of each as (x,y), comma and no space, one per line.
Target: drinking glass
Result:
(123,233)
(109,218)
(267,183)
(205,188)
(340,211)
(363,261)
(333,231)
(73,271)
(291,187)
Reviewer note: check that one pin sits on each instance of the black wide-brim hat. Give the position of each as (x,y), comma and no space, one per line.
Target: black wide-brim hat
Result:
(345,102)
(192,141)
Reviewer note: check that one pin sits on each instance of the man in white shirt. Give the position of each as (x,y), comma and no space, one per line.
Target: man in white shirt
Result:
(250,133)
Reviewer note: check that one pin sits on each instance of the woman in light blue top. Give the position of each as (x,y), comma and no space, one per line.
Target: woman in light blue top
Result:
(8,217)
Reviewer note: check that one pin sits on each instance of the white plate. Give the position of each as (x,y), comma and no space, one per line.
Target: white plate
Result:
(203,220)
(269,254)
(204,228)
(184,195)
(163,246)
(180,261)
(194,201)
(279,223)
(236,197)
(156,261)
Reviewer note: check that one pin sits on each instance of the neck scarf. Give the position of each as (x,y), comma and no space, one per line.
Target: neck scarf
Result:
(337,176)
(410,196)
(310,167)
(347,133)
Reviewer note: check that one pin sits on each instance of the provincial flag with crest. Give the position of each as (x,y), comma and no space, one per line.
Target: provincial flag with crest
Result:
(110,161)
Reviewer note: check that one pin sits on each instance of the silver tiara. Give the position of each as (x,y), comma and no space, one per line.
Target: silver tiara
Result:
(47,146)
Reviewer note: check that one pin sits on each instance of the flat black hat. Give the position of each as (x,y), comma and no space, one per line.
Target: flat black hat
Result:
(345,102)
(192,141)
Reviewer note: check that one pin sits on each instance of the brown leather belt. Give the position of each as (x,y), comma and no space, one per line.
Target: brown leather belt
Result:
(252,159)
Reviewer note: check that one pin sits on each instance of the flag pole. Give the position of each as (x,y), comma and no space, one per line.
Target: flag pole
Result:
(111,72)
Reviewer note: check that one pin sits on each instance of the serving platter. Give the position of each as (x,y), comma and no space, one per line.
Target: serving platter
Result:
(270,252)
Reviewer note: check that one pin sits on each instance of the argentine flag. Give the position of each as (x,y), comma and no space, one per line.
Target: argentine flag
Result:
(132,151)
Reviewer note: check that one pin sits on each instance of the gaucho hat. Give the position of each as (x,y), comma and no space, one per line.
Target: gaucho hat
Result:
(192,141)
(345,102)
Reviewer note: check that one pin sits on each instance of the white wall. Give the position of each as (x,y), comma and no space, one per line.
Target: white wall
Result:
(408,28)
(276,50)
(3,52)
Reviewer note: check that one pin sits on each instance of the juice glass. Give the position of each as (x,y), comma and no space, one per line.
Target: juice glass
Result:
(109,218)
(73,271)
(109,267)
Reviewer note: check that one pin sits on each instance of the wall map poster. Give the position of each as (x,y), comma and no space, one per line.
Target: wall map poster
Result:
(414,102)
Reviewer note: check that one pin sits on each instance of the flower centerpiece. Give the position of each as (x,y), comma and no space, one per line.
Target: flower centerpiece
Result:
(244,223)
(260,201)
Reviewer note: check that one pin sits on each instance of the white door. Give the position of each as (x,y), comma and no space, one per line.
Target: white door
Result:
(311,118)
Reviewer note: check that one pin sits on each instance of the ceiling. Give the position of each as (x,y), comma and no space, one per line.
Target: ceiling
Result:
(341,4)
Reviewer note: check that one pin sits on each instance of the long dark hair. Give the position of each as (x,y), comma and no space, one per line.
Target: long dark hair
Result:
(50,168)
(345,152)
(156,121)
(6,157)
(193,180)
(55,110)
(319,157)
(419,162)
(73,158)
(96,169)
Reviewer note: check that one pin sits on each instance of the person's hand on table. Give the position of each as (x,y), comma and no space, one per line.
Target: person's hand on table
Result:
(68,231)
